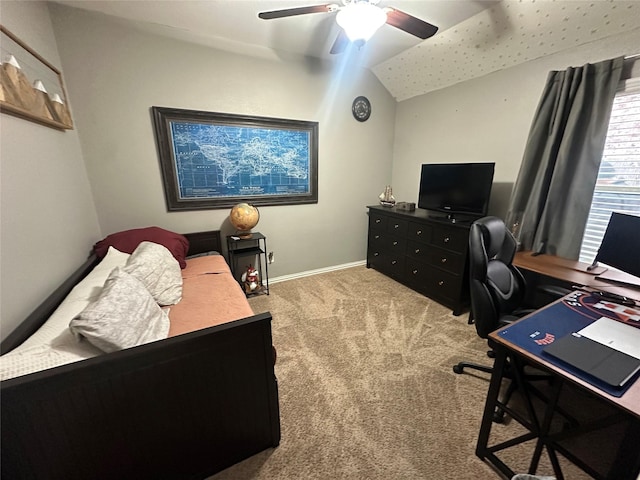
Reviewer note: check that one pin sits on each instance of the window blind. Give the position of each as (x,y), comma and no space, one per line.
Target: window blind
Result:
(618,184)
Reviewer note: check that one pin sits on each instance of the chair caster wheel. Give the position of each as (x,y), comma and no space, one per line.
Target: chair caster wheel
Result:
(457,369)
(498,417)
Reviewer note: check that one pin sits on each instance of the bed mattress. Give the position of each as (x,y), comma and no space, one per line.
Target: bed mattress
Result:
(210,296)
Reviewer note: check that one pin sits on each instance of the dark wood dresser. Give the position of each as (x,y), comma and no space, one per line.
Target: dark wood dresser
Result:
(423,253)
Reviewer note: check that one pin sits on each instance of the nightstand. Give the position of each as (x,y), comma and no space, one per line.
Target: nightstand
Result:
(245,252)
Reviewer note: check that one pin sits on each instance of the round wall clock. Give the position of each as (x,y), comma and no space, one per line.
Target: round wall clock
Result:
(361,109)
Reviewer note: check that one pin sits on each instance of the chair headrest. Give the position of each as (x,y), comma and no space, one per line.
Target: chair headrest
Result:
(496,286)
(493,233)
(489,240)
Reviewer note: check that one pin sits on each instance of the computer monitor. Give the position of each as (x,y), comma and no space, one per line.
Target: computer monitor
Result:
(619,247)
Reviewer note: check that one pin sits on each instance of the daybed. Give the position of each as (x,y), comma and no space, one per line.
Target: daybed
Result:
(184,407)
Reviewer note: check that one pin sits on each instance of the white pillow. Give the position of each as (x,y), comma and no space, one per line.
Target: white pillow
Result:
(124,315)
(158,270)
(91,285)
(85,291)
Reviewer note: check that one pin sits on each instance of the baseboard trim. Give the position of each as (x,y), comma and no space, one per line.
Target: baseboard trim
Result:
(309,273)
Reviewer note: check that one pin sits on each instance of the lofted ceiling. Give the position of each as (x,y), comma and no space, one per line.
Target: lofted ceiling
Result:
(475,37)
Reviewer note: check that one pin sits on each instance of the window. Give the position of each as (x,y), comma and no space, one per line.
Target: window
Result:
(618,184)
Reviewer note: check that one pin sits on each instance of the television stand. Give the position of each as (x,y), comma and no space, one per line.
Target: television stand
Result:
(422,253)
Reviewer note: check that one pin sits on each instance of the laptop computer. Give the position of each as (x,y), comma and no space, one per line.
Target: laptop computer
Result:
(617,335)
(611,366)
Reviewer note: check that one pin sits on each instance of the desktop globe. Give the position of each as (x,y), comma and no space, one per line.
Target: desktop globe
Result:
(244,217)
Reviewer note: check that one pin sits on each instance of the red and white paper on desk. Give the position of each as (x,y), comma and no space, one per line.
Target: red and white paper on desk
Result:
(622,313)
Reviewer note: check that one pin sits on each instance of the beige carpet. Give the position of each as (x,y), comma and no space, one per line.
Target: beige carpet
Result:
(366,384)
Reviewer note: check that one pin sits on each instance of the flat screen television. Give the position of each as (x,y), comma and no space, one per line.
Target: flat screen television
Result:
(456,188)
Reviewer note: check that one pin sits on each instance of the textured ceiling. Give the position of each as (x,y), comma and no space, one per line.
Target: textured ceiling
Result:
(507,34)
(476,37)
(234,26)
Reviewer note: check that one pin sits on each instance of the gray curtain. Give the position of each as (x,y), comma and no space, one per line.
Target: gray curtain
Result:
(551,198)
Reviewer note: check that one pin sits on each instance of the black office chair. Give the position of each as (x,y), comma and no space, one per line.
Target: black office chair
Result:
(497,288)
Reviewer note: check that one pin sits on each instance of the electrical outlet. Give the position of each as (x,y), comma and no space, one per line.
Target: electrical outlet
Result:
(271,257)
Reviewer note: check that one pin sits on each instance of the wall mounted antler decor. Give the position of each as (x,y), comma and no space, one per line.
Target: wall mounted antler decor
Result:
(30,87)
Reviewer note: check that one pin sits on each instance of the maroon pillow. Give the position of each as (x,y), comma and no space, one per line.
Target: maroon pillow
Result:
(128,240)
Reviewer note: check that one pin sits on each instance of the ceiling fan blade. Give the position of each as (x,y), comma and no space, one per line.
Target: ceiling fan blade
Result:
(340,44)
(410,24)
(290,12)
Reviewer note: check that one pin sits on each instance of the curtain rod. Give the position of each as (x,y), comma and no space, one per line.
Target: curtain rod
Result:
(632,57)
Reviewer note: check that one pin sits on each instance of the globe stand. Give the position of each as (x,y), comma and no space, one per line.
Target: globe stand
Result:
(244,235)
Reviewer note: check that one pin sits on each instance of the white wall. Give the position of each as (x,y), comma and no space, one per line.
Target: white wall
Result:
(116,73)
(484,120)
(47,218)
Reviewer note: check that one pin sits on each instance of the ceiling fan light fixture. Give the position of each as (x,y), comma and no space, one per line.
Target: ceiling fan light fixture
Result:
(360,20)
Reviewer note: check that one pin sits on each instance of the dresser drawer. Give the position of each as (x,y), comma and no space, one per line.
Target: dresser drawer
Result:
(450,261)
(386,262)
(383,241)
(433,281)
(450,238)
(377,221)
(376,240)
(419,232)
(397,227)
(445,285)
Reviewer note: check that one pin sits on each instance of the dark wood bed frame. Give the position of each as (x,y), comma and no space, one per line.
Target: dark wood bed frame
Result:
(182,408)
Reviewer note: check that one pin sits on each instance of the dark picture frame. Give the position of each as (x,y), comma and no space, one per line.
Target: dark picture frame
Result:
(213,160)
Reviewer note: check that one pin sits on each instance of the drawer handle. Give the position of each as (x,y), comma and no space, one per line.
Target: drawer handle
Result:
(376,254)
(377,220)
(419,232)
(396,226)
(394,262)
(414,272)
(395,243)
(377,237)
(441,283)
(417,250)
(443,260)
(446,239)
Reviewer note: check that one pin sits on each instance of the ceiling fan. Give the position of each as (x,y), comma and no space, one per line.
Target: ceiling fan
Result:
(359,20)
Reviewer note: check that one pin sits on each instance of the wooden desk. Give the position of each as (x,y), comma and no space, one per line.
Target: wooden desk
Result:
(569,272)
(625,465)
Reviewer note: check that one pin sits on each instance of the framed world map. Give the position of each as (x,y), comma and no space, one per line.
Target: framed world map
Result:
(215,160)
